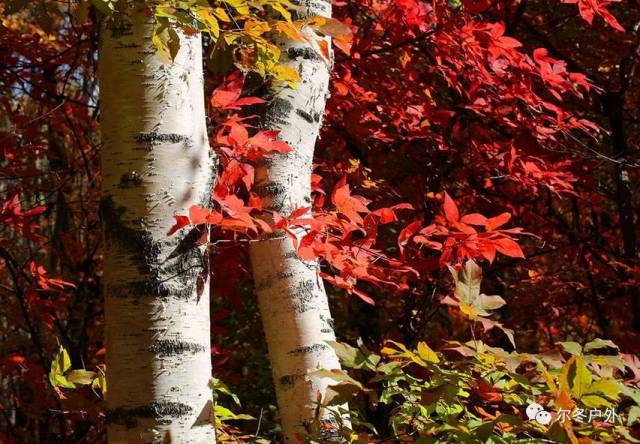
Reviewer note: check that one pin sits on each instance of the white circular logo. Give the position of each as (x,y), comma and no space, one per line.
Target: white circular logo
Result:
(533,409)
(543,417)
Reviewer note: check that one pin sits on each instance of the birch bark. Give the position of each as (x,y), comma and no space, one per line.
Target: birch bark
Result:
(156,162)
(291,296)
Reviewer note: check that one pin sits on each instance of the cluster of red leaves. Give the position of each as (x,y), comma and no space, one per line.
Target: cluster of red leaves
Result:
(12,215)
(237,207)
(492,101)
(460,238)
(597,8)
(344,236)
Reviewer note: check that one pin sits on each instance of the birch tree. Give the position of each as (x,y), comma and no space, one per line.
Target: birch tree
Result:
(156,162)
(292,300)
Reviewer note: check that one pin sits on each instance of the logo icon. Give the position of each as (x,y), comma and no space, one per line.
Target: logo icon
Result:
(535,412)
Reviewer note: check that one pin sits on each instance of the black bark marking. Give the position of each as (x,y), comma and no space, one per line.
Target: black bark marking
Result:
(304,53)
(270,189)
(130,179)
(171,347)
(264,283)
(304,295)
(149,140)
(172,277)
(119,27)
(277,112)
(310,8)
(194,238)
(286,274)
(305,115)
(287,381)
(161,411)
(329,321)
(309,349)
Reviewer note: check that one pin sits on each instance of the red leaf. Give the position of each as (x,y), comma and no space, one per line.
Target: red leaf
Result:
(249,101)
(450,209)
(363,296)
(214,218)
(488,392)
(386,215)
(181,221)
(473,219)
(408,232)
(497,221)
(488,251)
(508,247)
(302,211)
(226,94)
(347,204)
(198,215)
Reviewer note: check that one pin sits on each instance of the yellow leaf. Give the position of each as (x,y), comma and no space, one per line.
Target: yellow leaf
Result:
(468,310)
(207,18)
(426,353)
(290,30)
(221,14)
(283,12)
(163,51)
(239,5)
(286,74)
(100,381)
(256,28)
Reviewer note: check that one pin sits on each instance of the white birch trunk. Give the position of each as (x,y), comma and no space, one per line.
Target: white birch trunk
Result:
(292,299)
(156,162)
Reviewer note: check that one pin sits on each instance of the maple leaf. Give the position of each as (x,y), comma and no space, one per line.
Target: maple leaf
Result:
(450,209)
(227,95)
(590,8)
(347,204)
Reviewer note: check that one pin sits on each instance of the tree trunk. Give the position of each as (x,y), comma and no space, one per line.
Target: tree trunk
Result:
(292,299)
(156,162)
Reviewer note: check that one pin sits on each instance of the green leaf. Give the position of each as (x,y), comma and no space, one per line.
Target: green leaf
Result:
(598,344)
(220,387)
(224,414)
(607,387)
(571,347)
(81,377)
(336,375)
(61,363)
(594,401)
(341,393)
(352,357)
(634,414)
(205,15)
(578,376)
(173,43)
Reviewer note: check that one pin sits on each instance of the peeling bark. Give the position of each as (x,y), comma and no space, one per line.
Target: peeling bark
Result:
(156,162)
(291,296)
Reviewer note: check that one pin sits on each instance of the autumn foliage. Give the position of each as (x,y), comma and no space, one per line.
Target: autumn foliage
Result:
(468,146)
